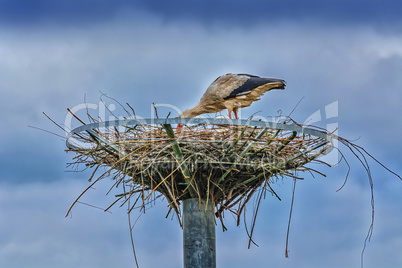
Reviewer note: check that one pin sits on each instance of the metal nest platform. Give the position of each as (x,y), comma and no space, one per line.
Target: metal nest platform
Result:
(222,162)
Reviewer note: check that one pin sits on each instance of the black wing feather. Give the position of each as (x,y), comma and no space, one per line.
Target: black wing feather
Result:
(252,83)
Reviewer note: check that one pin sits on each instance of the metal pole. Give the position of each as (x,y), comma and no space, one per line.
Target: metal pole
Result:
(199,242)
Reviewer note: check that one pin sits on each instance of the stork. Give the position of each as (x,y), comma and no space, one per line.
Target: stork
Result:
(231,92)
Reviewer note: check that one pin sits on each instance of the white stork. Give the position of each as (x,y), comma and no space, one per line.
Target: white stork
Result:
(231,92)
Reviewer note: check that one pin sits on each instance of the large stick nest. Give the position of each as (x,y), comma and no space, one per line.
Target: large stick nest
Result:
(222,164)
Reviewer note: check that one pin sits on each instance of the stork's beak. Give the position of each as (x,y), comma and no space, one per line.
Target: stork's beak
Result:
(178,128)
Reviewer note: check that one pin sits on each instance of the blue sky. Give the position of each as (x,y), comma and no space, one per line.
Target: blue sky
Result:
(55,54)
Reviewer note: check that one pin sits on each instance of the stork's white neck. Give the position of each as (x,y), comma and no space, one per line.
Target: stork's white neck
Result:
(193,112)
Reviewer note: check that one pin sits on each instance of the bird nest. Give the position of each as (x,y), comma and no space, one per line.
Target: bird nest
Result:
(223,164)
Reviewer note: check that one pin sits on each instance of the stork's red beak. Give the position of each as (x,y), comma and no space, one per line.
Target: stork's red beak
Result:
(178,128)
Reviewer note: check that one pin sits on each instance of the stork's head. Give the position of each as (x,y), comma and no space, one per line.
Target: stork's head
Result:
(185,114)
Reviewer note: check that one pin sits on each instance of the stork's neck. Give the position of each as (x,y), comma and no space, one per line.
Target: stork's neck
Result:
(193,112)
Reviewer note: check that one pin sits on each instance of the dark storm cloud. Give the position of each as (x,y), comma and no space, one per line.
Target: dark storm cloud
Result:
(27,12)
(237,11)
(372,12)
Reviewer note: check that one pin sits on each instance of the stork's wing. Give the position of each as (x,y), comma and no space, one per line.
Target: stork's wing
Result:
(252,83)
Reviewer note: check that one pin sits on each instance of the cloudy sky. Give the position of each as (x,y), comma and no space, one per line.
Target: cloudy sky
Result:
(56,54)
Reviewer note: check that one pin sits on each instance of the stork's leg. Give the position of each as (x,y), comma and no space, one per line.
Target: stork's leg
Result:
(235,113)
(229,111)
(235,109)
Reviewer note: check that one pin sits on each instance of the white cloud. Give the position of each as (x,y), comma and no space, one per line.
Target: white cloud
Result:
(385,46)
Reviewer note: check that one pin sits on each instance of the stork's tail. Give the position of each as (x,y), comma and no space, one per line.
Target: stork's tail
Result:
(281,84)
